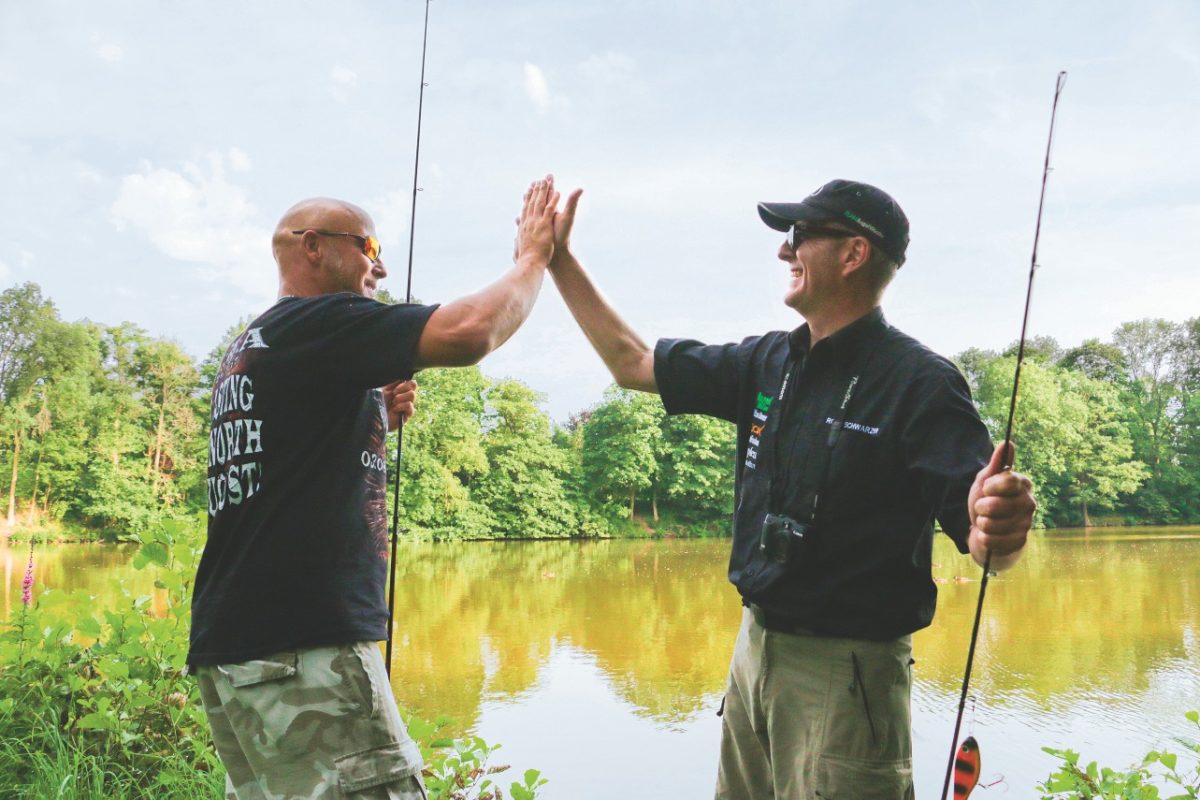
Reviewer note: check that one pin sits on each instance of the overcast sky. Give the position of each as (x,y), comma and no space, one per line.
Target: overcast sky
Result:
(149,147)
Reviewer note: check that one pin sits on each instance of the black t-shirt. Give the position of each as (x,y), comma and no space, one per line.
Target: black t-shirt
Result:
(910,446)
(297,490)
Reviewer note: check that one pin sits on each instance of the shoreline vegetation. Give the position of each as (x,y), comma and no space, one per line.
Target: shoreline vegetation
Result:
(98,704)
(105,428)
(104,436)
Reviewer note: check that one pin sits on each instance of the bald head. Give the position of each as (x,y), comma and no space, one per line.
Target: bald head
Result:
(324,213)
(312,262)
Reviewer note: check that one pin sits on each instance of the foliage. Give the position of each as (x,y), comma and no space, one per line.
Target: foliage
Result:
(103,428)
(1145,781)
(1105,426)
(620,442)
(96,704)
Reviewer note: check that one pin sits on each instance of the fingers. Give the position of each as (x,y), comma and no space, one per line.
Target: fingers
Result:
(572,203)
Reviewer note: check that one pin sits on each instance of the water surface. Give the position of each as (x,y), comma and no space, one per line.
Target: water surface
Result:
(602,663)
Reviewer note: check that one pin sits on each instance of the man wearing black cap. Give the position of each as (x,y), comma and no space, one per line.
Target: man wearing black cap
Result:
(852,439)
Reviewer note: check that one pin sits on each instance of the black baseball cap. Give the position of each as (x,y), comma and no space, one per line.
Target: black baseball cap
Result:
(858,206)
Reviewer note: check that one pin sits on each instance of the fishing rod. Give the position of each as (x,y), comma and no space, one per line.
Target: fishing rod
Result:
(970,748)
(412,229)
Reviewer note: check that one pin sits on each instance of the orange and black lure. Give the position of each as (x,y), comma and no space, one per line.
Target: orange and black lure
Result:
(966,768)
(969,751)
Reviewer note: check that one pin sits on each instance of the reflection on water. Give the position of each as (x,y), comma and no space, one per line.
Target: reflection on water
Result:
(602,663)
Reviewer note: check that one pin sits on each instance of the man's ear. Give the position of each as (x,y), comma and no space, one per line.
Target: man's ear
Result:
(855,255)
(310,245)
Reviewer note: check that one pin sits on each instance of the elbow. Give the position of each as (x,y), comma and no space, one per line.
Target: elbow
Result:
(635,372)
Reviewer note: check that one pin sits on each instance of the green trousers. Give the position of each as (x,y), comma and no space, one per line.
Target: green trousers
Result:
(319,722)
(816,717)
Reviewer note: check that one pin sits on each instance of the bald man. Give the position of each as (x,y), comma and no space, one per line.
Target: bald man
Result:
(289,599)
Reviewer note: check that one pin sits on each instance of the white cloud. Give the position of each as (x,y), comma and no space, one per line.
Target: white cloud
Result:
(112,53)
(194,214)
(239,161)
(344,75)
(5,271)
(536,87)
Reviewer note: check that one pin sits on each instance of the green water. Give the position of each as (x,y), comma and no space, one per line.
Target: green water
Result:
(602,663)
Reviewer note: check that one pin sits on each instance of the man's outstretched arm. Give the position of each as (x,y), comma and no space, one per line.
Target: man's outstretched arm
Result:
(463,331)
(627,357)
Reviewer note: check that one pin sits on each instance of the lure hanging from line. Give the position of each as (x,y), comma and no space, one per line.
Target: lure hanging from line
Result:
(969,745)
(966,768)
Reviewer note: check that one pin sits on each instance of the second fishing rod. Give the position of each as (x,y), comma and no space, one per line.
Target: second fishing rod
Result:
(412,229)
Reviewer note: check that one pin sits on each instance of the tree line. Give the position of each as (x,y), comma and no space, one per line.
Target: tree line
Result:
(104,428)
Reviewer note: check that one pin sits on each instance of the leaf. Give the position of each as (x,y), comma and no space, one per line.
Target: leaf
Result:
(113,668)
(88,626)
(155,552)
(97,722)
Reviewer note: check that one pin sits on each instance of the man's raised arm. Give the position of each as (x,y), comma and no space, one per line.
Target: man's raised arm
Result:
(463,331)
(627,357)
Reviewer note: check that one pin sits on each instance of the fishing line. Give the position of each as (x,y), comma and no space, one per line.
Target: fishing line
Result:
(412,225)
(1007,459)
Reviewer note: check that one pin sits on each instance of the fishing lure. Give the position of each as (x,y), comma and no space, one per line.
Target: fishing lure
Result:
(966,768)
(955,755)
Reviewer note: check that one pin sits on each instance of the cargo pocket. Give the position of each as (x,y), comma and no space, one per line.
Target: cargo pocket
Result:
(378,766)
(841,778)
(261,670)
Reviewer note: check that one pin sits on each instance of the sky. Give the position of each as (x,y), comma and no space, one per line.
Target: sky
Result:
(148,148)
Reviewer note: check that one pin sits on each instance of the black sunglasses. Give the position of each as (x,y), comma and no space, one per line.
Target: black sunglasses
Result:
(800,233)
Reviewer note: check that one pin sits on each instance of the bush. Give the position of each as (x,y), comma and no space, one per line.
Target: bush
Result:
(95,703)
(1137,783)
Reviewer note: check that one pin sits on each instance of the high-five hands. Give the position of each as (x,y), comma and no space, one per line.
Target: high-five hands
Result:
(535,226)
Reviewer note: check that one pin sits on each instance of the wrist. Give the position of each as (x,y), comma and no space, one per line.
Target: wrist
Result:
(563,258)
(532,261)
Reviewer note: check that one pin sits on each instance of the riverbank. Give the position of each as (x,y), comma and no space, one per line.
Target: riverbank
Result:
(95,702)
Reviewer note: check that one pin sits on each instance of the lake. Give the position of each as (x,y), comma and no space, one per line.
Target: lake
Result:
(602,663)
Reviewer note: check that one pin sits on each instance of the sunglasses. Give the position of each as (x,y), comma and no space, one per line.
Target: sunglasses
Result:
(800,233)
(369,244)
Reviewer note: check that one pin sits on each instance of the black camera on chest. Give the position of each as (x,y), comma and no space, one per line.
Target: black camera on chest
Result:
(784,540)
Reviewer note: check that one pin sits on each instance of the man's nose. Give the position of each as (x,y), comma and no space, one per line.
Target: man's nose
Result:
(378,269)
(786,253)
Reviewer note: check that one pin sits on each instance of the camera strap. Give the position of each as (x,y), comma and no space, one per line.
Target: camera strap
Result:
(824,455)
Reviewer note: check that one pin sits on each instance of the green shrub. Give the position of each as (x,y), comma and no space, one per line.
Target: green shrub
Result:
(1147,781)
(95,704)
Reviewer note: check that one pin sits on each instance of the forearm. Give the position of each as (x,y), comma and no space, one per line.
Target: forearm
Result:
(465,330)
(627,357)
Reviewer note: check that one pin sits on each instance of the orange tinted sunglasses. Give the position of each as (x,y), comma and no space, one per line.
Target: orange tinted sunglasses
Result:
(369,244)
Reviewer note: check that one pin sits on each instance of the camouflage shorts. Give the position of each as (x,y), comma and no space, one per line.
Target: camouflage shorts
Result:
(312,723)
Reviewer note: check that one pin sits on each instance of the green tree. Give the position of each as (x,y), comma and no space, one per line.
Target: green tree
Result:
(1097,360)
(696,466)
(444,454)
(1151,349)
(523,486)
(1071,435)
(35,347)
(620,444)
